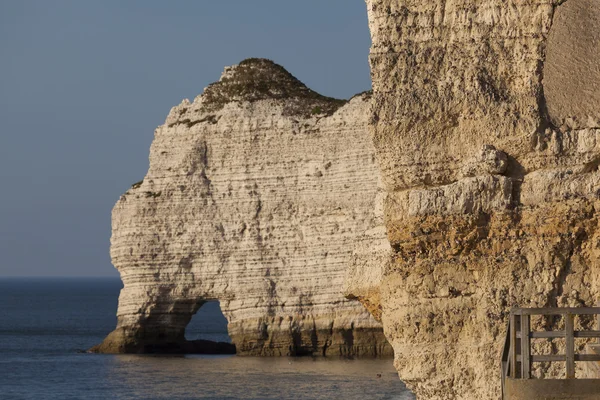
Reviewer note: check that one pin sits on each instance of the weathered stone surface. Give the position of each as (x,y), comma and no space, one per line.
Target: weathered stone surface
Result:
(572,70)
(470,239)
(256,195)
(371,253)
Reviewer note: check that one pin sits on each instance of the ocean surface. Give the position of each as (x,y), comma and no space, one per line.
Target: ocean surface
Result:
(44,322)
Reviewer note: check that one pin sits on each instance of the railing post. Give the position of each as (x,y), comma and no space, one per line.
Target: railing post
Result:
(570,345)
(505,364)
(513,345)
(525,347)
(598,323)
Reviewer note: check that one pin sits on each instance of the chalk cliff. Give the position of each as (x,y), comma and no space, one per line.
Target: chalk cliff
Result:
(486,124)
(257,193)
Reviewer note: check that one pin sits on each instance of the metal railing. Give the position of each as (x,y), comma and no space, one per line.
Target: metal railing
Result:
(516,355)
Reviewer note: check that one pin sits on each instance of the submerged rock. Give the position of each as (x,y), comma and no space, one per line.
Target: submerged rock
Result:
(256,195)
(190,347)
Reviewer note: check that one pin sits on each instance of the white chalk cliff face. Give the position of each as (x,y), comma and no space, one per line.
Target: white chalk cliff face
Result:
(257,193)
(486,123)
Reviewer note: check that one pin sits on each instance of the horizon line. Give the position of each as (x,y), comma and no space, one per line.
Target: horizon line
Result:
(59,276)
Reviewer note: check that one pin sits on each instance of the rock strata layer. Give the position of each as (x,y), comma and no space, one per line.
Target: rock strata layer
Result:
(486,125)
(256,195)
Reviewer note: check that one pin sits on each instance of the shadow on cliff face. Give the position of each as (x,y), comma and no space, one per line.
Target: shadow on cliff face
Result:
(205,333)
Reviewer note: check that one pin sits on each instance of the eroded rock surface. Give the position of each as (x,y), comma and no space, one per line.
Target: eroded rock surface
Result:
(485,124)
(256,195)
(572,69)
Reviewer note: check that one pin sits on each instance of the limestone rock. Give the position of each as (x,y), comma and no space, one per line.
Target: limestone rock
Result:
(571,71)
(370,256)
(470,239)
(256,195)
(487,161)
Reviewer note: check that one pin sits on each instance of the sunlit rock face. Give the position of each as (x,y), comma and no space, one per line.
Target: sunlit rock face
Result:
(256,195)
(485,123)
(572,68)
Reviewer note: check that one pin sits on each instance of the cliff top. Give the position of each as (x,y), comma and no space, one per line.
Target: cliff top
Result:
(260,79)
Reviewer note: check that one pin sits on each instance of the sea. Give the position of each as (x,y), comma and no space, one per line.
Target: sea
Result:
(46,323)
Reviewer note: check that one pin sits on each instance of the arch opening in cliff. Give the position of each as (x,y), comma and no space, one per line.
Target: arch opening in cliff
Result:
(207,330)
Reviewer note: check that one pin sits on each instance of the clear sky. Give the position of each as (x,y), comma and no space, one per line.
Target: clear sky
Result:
(84,84)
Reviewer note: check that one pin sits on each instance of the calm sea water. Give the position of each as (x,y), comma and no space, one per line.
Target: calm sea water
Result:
(43,322)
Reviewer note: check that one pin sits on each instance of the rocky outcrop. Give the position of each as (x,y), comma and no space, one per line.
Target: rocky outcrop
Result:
(486,120)
(256,195)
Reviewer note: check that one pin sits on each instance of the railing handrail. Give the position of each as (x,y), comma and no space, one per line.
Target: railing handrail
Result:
(556,311)
(517,346)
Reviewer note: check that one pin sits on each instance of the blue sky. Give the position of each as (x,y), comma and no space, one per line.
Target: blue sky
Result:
(84,84)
